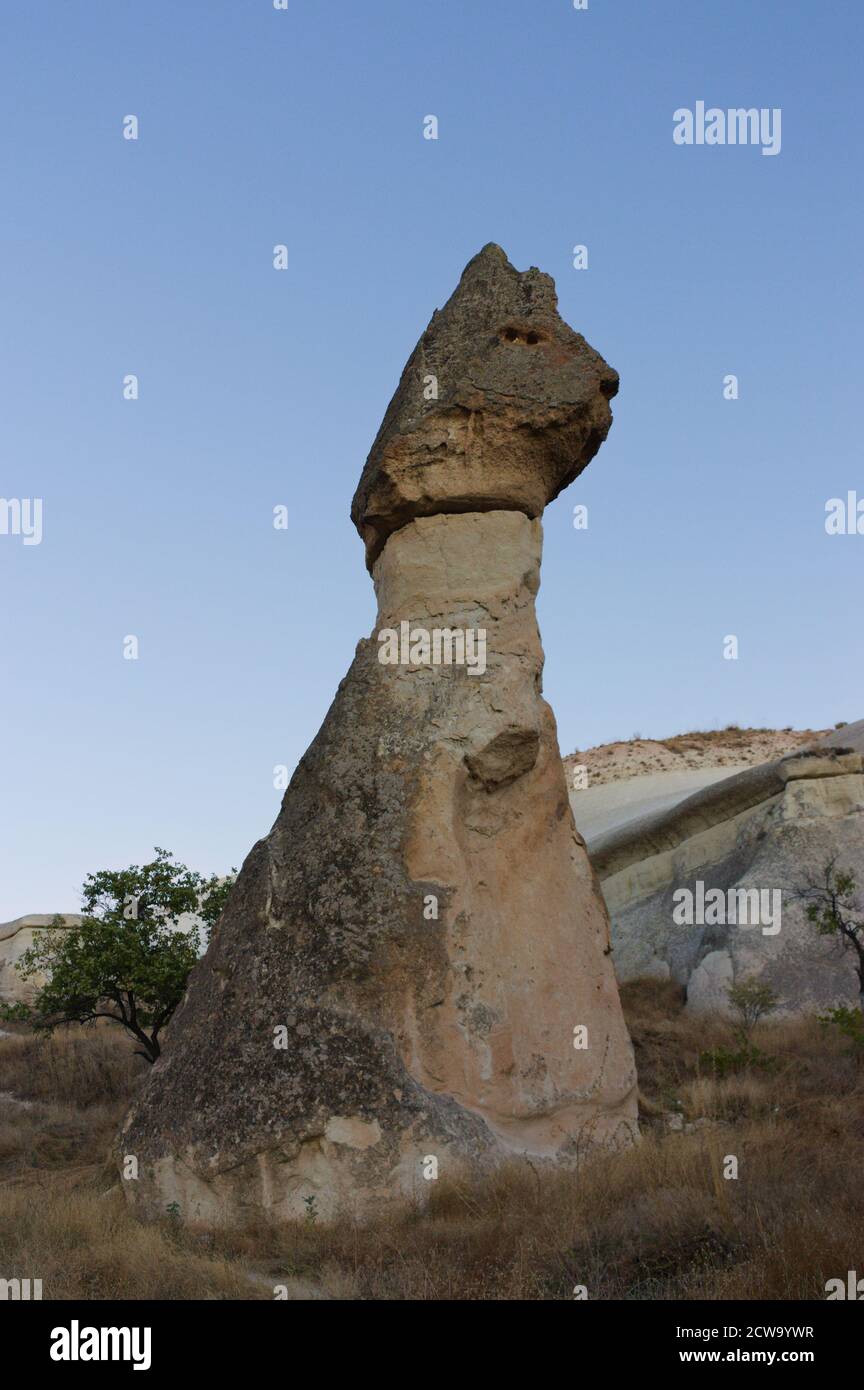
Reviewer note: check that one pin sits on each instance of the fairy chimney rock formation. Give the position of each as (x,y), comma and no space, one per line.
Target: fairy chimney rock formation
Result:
(412,975)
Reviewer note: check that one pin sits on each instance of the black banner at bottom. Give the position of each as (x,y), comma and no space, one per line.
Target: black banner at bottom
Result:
(82,1339)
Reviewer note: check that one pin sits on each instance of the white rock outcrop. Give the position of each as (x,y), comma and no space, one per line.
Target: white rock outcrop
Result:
(768,830)
(15,938)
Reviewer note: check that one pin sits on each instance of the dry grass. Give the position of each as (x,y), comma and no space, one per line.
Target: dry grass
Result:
(658,1221)
(81,1066)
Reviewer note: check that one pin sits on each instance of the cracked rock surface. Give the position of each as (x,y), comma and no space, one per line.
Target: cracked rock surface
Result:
(520,407)
(421,932)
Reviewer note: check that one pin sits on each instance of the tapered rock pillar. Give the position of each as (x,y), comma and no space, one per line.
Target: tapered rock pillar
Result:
(414,964)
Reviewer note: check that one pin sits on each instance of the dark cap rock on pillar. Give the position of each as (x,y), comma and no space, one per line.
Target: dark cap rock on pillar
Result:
(522,407)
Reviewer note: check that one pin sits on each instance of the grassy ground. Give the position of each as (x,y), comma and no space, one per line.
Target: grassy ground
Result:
(658,1221)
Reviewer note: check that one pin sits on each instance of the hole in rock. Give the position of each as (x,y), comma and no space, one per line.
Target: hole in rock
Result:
(510,334)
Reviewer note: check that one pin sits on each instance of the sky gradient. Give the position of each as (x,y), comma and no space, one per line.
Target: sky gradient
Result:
(261,387)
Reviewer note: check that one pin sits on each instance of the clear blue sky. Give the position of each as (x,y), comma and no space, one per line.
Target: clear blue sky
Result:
(258,387)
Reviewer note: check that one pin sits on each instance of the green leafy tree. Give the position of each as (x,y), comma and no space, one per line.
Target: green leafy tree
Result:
(128,960)
(834,907)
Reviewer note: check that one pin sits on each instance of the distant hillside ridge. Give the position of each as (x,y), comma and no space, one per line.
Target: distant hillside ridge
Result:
(732,747)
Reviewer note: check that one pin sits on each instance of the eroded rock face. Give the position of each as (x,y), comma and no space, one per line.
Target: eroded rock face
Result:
(765,831)
(500,406)
(420,935)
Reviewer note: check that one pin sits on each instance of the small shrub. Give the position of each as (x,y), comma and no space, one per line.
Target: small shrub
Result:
(727,1061)
(751,1000)
(849,1023)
